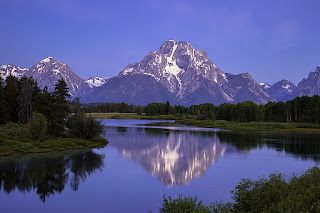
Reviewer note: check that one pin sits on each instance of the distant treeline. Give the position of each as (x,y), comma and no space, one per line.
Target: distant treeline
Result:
(301,110)
(112,107)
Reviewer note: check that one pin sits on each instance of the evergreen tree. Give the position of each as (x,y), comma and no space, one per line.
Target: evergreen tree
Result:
(25,99)
(60,108)
(3,104)
(11,93)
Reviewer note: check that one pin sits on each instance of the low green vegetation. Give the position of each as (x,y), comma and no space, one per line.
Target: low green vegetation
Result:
(252,126)
(17,139)
(300,193)
(131,116)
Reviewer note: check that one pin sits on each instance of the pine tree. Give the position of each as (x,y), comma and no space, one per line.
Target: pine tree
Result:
(25,99)
(3,104)
(11,93)
(60,108)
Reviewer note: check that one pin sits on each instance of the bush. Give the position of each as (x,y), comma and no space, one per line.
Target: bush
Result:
(84,127)
(183,205)
(272,194)
(37,126)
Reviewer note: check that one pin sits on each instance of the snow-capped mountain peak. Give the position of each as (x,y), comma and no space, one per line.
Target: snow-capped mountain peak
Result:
(46,60)
(175,64)
(96,81)
(6,70)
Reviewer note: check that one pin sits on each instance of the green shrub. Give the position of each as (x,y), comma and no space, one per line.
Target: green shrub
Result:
(183,205)
(84,127)
(37,126)
(272,194)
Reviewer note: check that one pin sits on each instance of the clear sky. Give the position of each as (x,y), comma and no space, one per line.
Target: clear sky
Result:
(270,39)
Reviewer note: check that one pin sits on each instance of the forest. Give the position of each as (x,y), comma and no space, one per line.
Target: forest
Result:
(30,114)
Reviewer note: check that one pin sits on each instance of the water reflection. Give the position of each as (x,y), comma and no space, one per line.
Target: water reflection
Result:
(177,157)
(300,145)
(48,174)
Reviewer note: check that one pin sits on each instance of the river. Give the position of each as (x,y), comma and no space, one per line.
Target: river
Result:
(142,163)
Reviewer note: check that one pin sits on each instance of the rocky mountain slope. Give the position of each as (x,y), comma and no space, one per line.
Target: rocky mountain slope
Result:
(311,85)
(283,90)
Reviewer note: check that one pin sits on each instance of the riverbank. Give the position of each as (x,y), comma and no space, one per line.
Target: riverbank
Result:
(131,116)
(245,126)
(252,126)
(15,139)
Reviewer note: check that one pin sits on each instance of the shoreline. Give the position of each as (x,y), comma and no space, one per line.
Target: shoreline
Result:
(15,139)
(102,145)
(221,124)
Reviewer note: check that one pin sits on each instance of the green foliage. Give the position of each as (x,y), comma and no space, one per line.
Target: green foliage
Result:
(81,126)
(3,104)
(270,195)
(16,139)
(37,126)
(25,101)
(183,205)
(60,108)
(11,93)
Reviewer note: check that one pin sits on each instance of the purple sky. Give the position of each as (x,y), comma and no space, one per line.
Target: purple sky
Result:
(271,40)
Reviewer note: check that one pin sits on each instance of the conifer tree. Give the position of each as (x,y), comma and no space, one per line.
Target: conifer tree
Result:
(11,93)
(3,104)
(25,101)
(60,108)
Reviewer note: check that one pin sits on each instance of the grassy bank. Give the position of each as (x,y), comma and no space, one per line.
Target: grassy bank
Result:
(15,139)
(252,126)
(131,116)
(248,126)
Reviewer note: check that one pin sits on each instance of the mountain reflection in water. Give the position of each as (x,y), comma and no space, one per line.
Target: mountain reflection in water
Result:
(48,173)
(177,157)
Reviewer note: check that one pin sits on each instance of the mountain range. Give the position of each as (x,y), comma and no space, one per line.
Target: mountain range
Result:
(177,73)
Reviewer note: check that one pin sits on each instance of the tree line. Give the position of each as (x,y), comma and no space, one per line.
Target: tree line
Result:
(22,101)
(300,110)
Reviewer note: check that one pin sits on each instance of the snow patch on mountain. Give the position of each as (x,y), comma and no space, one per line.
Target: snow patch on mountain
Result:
(287,88)
(264,85)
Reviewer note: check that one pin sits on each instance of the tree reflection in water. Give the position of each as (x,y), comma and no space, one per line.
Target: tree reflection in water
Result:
(48,174)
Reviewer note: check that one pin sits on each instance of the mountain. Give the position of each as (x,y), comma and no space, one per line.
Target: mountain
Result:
(182,74)
(242,87)
(96,81)
(13,70)
(311,85)
(177,73)
(283,90)
(47,72)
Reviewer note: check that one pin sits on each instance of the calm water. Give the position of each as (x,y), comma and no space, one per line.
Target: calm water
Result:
(141,164)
